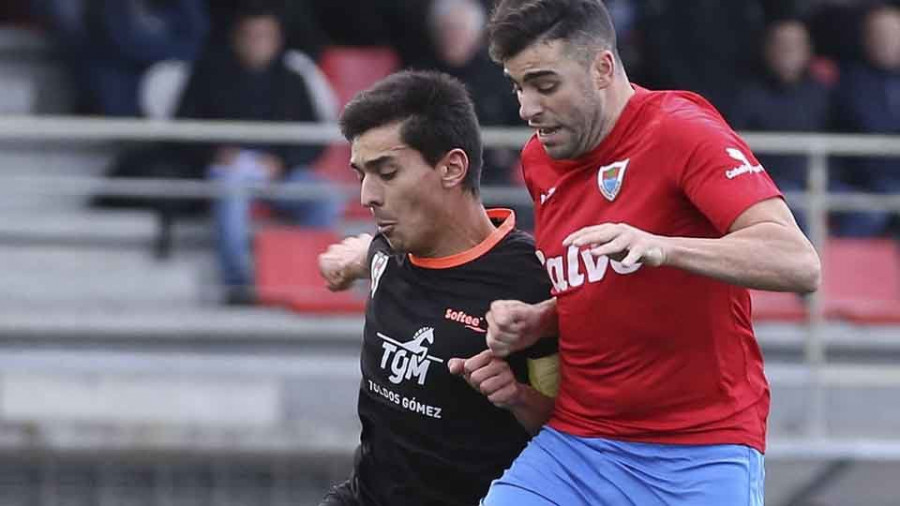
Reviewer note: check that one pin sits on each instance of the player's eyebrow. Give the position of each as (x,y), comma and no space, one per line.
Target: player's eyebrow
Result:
(537,74)
(529,76)
(373,164)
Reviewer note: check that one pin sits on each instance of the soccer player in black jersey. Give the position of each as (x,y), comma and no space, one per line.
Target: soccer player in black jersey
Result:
(437,262)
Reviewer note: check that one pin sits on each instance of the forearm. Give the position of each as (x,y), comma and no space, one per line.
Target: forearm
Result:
(549,318)
(345,262)
(765,256)
(532,409)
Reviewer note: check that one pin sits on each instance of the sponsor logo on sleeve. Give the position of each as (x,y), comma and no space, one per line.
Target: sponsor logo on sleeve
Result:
(744,168)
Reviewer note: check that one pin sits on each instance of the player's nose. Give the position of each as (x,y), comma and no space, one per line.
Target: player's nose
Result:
(529,106)
(370,194)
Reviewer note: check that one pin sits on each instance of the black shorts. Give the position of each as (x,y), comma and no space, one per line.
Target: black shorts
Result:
(345,494)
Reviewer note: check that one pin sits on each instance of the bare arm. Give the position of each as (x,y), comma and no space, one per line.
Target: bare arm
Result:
(493,377)
(345,262)
(764,249)
(531,408)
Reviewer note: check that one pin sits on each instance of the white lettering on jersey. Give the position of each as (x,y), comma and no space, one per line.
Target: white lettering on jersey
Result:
(405,402)
(569,271)
(379,264)
(744,168)
(576,278)
(557,273)
(410,359)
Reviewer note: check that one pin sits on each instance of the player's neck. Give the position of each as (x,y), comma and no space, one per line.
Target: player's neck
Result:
(463,227)
(618,96)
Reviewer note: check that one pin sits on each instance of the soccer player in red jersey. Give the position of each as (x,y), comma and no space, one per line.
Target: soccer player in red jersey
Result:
(652,219)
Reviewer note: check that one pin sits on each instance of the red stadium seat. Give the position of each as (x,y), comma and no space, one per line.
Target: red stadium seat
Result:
(861,284)
(350,70)
(287,272)
(861,280)
(353,69)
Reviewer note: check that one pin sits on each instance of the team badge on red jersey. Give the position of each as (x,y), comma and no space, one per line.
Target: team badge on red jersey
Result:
(610,177)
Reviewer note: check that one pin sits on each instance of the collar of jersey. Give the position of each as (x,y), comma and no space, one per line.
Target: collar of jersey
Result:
(508,218)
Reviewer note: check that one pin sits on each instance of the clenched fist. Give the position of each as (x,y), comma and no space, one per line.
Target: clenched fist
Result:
(515,325)
(345,262)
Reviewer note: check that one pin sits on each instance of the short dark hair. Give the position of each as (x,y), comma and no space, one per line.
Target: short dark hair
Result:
(436,112)
(517,24)
(258,9)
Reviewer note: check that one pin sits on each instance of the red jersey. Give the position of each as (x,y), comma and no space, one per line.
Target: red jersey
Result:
(652,354)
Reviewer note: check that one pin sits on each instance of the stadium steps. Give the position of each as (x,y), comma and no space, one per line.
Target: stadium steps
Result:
(80,277)
(44,177)
(131,400)
(184,327)
(116,228)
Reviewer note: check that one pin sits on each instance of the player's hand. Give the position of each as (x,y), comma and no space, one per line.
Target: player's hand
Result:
(345,262)
(621,242)
(489,375)
(512,326)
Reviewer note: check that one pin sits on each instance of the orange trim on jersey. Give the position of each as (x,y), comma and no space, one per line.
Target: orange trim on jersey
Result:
(509,222)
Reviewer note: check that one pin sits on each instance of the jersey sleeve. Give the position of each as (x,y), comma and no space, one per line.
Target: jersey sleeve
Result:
(721,176)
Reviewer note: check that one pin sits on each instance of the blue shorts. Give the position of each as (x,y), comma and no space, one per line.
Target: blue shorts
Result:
(560,469)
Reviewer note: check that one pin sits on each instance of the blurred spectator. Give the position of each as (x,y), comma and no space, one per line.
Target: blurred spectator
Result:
(257,80)
(835,27)
(786,98)
(868,101)
(457,28)
(706,46)
(110,43)
(302,29)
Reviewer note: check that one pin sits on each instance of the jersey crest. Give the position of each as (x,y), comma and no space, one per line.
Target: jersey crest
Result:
(610,177)
(379,264)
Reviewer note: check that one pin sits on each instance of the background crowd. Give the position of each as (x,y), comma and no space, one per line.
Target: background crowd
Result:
(768,65)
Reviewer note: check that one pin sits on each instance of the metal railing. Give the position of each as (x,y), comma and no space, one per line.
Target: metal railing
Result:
(816,200)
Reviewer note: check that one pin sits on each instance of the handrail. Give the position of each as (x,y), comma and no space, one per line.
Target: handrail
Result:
(68,128)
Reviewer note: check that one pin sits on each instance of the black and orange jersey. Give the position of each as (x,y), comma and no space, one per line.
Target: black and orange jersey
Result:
(427,436)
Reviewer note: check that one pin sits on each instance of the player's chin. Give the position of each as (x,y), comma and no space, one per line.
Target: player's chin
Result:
(558,150)
(394,239)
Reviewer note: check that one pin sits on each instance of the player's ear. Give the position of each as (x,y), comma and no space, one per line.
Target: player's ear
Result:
(603,69)
(453,168)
